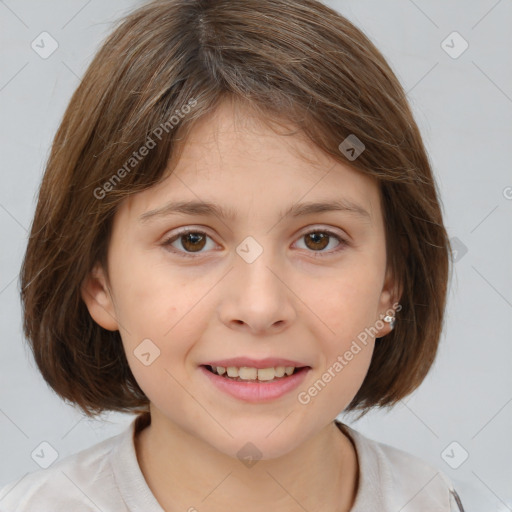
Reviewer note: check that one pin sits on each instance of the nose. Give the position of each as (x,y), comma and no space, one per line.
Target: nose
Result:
(257,297)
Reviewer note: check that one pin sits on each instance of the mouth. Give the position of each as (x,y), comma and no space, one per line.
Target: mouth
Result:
(253,374)
(255,384)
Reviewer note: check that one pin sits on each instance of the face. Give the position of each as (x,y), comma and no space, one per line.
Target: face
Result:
(300,289)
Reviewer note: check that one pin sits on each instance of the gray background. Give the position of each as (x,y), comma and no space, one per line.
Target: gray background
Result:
(463,106)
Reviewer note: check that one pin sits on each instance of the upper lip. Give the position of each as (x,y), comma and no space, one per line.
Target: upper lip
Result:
(268,362)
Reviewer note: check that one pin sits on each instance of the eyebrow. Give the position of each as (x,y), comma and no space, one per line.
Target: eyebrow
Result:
(212,209)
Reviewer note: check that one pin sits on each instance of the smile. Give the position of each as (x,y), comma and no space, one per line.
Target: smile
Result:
(246,373)
(255,384)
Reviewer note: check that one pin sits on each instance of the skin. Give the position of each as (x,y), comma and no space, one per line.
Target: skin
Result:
(288,303)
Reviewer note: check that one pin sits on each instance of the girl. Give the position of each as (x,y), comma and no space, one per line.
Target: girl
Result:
(238,236)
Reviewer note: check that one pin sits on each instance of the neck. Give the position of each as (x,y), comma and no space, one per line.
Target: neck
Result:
(183,471)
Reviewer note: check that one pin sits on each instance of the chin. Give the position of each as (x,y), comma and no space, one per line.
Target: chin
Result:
(258,442)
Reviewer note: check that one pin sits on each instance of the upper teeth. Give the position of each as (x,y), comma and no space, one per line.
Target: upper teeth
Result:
(246,373)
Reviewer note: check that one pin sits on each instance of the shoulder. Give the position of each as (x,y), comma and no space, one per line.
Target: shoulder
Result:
(78,481)
(393,479)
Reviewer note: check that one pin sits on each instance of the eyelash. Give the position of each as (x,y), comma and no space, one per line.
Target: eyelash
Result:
(317,254)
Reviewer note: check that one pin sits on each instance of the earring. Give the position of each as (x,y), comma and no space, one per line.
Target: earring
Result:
(390,320)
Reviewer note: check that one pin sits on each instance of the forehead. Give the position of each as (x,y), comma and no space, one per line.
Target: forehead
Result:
(234,160)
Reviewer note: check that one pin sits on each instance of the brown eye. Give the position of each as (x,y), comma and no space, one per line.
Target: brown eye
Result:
(316,241)
(193,241)
(187,242)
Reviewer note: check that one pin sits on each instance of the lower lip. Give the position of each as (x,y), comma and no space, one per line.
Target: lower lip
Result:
(257,391)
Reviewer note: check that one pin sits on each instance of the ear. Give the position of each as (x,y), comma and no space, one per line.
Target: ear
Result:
(388,304)
(96,294)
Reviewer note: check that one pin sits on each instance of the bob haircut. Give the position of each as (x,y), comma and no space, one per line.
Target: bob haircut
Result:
(166,65)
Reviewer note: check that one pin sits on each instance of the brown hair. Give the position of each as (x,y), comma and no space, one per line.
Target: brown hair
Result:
(292,60)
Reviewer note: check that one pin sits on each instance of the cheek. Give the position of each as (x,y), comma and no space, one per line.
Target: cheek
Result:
(347,307)
(151,308)
(152,297)
(346,303)
(345,360)
(162,304)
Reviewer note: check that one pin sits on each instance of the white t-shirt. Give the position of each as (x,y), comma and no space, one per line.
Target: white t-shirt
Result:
(106,477)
